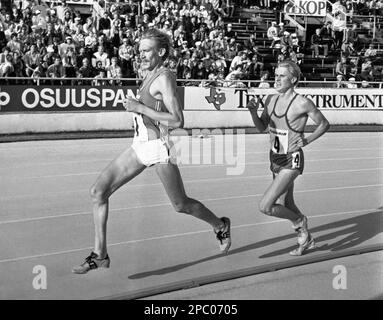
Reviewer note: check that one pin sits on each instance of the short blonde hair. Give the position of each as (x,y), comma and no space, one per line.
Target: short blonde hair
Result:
(293,68)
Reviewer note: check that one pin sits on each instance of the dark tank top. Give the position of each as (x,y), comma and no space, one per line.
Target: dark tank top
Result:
(282,131)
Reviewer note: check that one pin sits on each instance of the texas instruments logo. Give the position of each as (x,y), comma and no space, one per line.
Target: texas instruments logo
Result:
(216,98)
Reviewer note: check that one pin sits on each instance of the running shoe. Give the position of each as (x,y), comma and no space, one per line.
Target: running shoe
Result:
(302,230)
(305,240)
(309,244)
(92,262)
(223,236)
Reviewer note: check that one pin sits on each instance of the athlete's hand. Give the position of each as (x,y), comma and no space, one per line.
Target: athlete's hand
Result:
(131,104)
(252,104)
(300,142)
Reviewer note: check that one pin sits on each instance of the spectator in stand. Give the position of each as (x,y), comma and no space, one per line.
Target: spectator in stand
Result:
(49,34)
(272,34)
(295,43)
(89,25)
(264,84)
(339,27)
(342,68)
(69,70)
(229,32)
(351,83)
(137,67)
(371,52)
(339,82)
(126,53)
(6,68)
(14,44)
(353,68)
(49,57)
(62,9)
(365,85)
(5,34)
(104,24)
(241,59)
(32,60)
(16,14)
(85,71)
(19,67)
(326,33)
(255,69)
(199,71)
(100,79)
(82,54)
(286,42)
(101,56)
(317,42)
(366,69)
(233,77)
(55,70)
(114,71)
(63,47)
(349,50)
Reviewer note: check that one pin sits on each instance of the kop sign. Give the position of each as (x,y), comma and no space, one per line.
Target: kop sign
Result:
(306,7)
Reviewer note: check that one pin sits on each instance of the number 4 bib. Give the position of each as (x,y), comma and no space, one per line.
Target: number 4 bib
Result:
(279,139)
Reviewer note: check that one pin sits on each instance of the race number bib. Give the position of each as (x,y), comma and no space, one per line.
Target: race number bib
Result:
(279,140)
(140,130)
(296,160)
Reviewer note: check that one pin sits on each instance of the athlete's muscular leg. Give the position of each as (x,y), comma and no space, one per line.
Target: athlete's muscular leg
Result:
(290,203)
(171,179)
(281,188)
(121,170)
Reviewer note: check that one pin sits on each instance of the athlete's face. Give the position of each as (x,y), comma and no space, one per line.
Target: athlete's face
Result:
(283,80)
(149,53)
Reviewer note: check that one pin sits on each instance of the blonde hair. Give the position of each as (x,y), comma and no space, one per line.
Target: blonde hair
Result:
(162,39)
(293,68)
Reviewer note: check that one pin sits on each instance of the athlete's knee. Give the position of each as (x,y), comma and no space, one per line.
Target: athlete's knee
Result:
(267,208)
(180,207)
(98,194)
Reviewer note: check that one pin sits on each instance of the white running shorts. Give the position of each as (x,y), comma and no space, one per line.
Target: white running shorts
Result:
(151,152)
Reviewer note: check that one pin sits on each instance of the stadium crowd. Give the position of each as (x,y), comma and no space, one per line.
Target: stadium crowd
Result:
(50,39)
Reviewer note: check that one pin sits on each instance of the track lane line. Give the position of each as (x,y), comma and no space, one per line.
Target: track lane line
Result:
(181,235)
(169,204)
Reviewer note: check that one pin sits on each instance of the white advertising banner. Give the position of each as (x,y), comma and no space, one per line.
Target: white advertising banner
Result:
(306,7)
(214,99)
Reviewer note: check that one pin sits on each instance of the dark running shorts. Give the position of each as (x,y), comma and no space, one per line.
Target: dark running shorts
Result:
(292,160)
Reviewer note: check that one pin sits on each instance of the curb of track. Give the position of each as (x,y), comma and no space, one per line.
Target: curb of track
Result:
(240,273)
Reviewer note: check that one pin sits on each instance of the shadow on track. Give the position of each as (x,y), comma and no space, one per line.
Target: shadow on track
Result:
(354,231)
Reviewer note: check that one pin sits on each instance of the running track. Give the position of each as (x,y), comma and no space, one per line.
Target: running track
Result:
(45,215)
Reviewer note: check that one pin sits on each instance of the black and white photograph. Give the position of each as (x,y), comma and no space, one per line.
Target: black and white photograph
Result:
(191,156)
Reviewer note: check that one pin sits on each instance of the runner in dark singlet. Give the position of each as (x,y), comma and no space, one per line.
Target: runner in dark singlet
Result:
(156,109)
(285,116)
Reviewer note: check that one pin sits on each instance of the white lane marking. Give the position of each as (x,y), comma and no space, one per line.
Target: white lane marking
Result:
(169,204)
(126,140)
(180,235)
(190,166)
(129,186)
(218,154)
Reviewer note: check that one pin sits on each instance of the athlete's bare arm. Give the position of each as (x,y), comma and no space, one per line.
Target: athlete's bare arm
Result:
(322,124)
(319,119)
(260,122)
(163,88)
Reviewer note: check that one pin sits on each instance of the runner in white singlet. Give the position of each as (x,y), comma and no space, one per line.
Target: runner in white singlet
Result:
(156,109)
